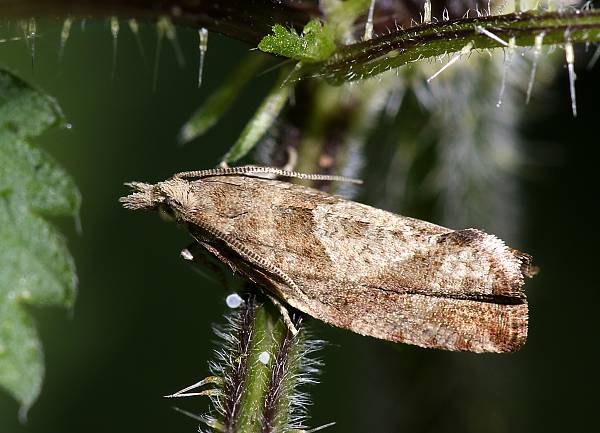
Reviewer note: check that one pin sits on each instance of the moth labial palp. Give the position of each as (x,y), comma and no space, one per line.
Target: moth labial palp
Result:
(352,265)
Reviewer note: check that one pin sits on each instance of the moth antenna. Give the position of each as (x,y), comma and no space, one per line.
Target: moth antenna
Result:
(253,169)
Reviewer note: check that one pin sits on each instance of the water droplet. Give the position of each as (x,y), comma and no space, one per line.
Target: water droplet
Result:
(234,300)
(264,358)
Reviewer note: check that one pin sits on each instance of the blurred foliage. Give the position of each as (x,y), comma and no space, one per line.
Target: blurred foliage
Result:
(143,322)
(219,102)
(37,268)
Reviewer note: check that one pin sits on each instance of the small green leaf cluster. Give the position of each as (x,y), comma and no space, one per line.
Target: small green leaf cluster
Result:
(314,45)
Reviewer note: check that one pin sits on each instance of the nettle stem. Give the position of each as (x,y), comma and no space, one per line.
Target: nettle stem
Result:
(261,364)
(247,20)
(368,58)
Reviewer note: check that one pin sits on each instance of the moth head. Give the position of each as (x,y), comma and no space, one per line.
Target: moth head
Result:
(171,198)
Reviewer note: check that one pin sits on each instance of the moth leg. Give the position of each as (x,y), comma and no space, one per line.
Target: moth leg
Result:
(292,159)
(250,256)
(255,170)
(285,315)
(194,253)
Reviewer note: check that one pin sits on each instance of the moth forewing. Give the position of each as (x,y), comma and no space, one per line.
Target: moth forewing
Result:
(354,266)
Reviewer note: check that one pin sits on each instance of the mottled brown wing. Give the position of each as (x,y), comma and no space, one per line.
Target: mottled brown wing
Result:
(371,271)
(427,321)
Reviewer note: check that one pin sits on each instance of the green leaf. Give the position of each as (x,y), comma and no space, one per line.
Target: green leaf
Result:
(220,101)
(261,121)
(342,14)
(36,267)
(314,45)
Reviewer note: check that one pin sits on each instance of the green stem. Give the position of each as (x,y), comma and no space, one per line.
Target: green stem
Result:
(262,365)
(247,20)
(369,58)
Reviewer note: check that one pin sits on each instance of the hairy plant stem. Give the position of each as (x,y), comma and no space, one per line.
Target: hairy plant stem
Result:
(261,365)
(369,58)
(247,20)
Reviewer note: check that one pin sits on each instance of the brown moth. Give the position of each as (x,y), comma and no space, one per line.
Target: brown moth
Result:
(351,265)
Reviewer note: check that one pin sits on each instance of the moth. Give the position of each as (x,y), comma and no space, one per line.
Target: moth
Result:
(351,265)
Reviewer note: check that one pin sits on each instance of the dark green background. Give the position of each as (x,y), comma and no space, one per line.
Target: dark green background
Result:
(141,327)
